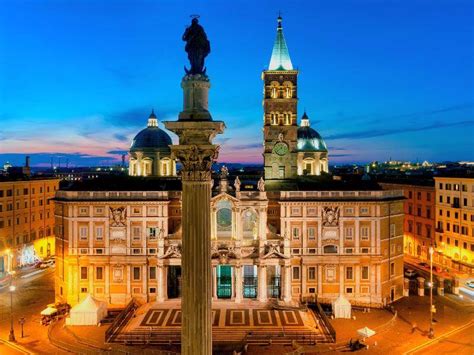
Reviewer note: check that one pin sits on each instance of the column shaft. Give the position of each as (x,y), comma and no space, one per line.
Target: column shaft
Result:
(196,260)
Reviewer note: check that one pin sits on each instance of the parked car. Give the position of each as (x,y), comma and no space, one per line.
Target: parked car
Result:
(410,273)
(50,262)
(470,284)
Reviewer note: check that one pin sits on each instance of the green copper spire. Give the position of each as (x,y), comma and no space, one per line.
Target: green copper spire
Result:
(280,57)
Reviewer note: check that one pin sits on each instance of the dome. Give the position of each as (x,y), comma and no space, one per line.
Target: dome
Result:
(151,137)
(308,139)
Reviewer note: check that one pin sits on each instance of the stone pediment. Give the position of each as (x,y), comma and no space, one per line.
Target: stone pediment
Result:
(272,251)
(173,251)
(224,253)
(224,196)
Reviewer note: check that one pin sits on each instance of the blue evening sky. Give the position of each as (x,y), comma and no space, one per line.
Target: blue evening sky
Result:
(378,78)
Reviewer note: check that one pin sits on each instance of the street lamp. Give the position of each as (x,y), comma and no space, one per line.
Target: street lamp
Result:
(431,331)
(11,336)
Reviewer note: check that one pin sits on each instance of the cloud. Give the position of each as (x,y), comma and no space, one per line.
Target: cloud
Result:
(247,146)
(117,152)
(371,133)
(121,137)
(340,155)
(72,159)
(138,116)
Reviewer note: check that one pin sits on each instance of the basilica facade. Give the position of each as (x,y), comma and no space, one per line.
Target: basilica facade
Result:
(286,236)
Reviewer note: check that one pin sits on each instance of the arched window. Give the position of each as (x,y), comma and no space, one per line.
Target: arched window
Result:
(274,89)
(274,118)
(308,165)
(330,249)
(165,167)
(274,92)
(224,219)
(250,224)
(287,118)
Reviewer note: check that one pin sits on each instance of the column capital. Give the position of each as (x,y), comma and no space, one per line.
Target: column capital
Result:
(197,160)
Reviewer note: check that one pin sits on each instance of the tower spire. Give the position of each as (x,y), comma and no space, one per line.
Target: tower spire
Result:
(280,59)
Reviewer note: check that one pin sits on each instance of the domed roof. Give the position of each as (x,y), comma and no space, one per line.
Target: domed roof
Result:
(151,137)
(309,139)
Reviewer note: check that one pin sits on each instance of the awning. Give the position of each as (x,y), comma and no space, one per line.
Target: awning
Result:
(49,311)
(365,332)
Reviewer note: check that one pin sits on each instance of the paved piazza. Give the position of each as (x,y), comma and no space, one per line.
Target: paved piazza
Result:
(225,315)
(247,318)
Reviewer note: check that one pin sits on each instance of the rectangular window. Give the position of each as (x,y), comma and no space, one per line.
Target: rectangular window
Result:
(136,233)
(311,273)
(281,172)
(83,232)
(349,273)
(152,272)
(364,250)
(83,272)
(364,273)
(311,233)
(392,269)
(296,272)
(83,289)
(349,250)
(392,230)
(349,233)
(136,273)
(296,233)
(364,233)
(99,273)
(364,210)
(152,289)
(99,233)
(349,290)
(152,232)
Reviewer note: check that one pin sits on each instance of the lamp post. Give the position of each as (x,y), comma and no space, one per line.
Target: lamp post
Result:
(11,336)
(431,331)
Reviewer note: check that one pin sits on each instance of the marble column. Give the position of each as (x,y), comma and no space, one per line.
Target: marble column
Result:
(214,282)
(238,284)
(287,283)
(262,283)
(195,151)
(161,283)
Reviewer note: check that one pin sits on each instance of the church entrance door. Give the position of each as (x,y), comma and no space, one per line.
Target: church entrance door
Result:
(224,281)
(174,281)
(250,281)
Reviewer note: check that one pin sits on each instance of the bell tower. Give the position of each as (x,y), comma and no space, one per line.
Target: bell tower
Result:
(280,112)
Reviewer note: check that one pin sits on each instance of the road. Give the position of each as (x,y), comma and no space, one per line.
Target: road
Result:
(32,295)
(459,341)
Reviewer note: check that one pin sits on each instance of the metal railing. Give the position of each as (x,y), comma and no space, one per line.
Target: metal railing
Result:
(120,321)
(324,318)
(296,195)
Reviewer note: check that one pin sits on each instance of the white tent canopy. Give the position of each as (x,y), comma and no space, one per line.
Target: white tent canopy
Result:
(366,332)
(341,307)
(89,312)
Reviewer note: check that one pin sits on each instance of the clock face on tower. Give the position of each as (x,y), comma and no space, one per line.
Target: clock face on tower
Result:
(280,148)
